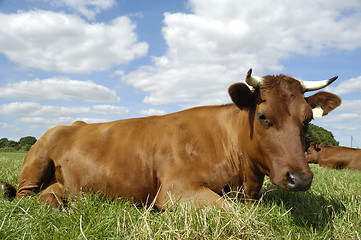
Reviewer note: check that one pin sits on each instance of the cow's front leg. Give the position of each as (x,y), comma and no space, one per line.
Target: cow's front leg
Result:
(252,183)
(54,195)
(170,194)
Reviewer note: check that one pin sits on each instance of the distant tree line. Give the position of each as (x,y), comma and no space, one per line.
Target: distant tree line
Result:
(313,134)
(23,145)
(320,135)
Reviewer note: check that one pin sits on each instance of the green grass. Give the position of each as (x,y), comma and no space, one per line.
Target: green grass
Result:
(331,209)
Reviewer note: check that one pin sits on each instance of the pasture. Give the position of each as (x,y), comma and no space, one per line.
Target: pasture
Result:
(331,209)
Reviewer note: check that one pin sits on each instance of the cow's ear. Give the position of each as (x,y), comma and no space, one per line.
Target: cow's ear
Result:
(241,95)
(317,146)
(325,100)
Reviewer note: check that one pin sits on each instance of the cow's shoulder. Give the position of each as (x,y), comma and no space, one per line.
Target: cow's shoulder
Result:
(58,133)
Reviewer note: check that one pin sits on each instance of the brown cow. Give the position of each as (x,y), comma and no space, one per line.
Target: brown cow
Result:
(184,156)
(334,157)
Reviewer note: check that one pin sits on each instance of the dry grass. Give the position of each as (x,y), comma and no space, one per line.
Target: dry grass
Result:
(331,209)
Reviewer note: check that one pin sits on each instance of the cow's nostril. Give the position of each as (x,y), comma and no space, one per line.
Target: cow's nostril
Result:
(298,181)
(290,178)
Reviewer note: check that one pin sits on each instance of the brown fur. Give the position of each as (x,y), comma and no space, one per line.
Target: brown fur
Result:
(187,156)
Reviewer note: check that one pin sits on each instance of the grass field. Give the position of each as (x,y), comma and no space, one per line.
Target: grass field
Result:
(331,209)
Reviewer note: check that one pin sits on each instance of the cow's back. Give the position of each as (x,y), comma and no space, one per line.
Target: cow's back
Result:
(340,157)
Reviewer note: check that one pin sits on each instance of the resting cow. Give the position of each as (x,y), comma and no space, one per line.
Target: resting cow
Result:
(334,157)
(187,156)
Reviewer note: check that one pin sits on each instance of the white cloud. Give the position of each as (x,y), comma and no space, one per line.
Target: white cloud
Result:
(349,106)
(216,45)
(88,8)
(36,109)
(58,89)
(46,123)
(109,110)
(60,42)
(5,126)
(184,83)
(151,112)
(348,128)
(350,86)
(343,118)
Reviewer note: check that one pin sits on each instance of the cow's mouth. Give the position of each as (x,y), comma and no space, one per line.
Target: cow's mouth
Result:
(298,181)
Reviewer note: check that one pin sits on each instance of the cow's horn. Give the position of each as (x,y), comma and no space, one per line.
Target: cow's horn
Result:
(253,80)
(315,85)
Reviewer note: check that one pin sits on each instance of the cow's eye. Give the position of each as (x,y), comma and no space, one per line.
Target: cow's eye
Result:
(262,118)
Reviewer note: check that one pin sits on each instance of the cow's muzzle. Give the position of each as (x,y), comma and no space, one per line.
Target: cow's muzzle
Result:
(298,181)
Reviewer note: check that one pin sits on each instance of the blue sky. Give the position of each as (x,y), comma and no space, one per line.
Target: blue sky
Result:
(103,60)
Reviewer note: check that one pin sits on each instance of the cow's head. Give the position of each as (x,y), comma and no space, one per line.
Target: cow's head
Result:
(312,153)
(278,115)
